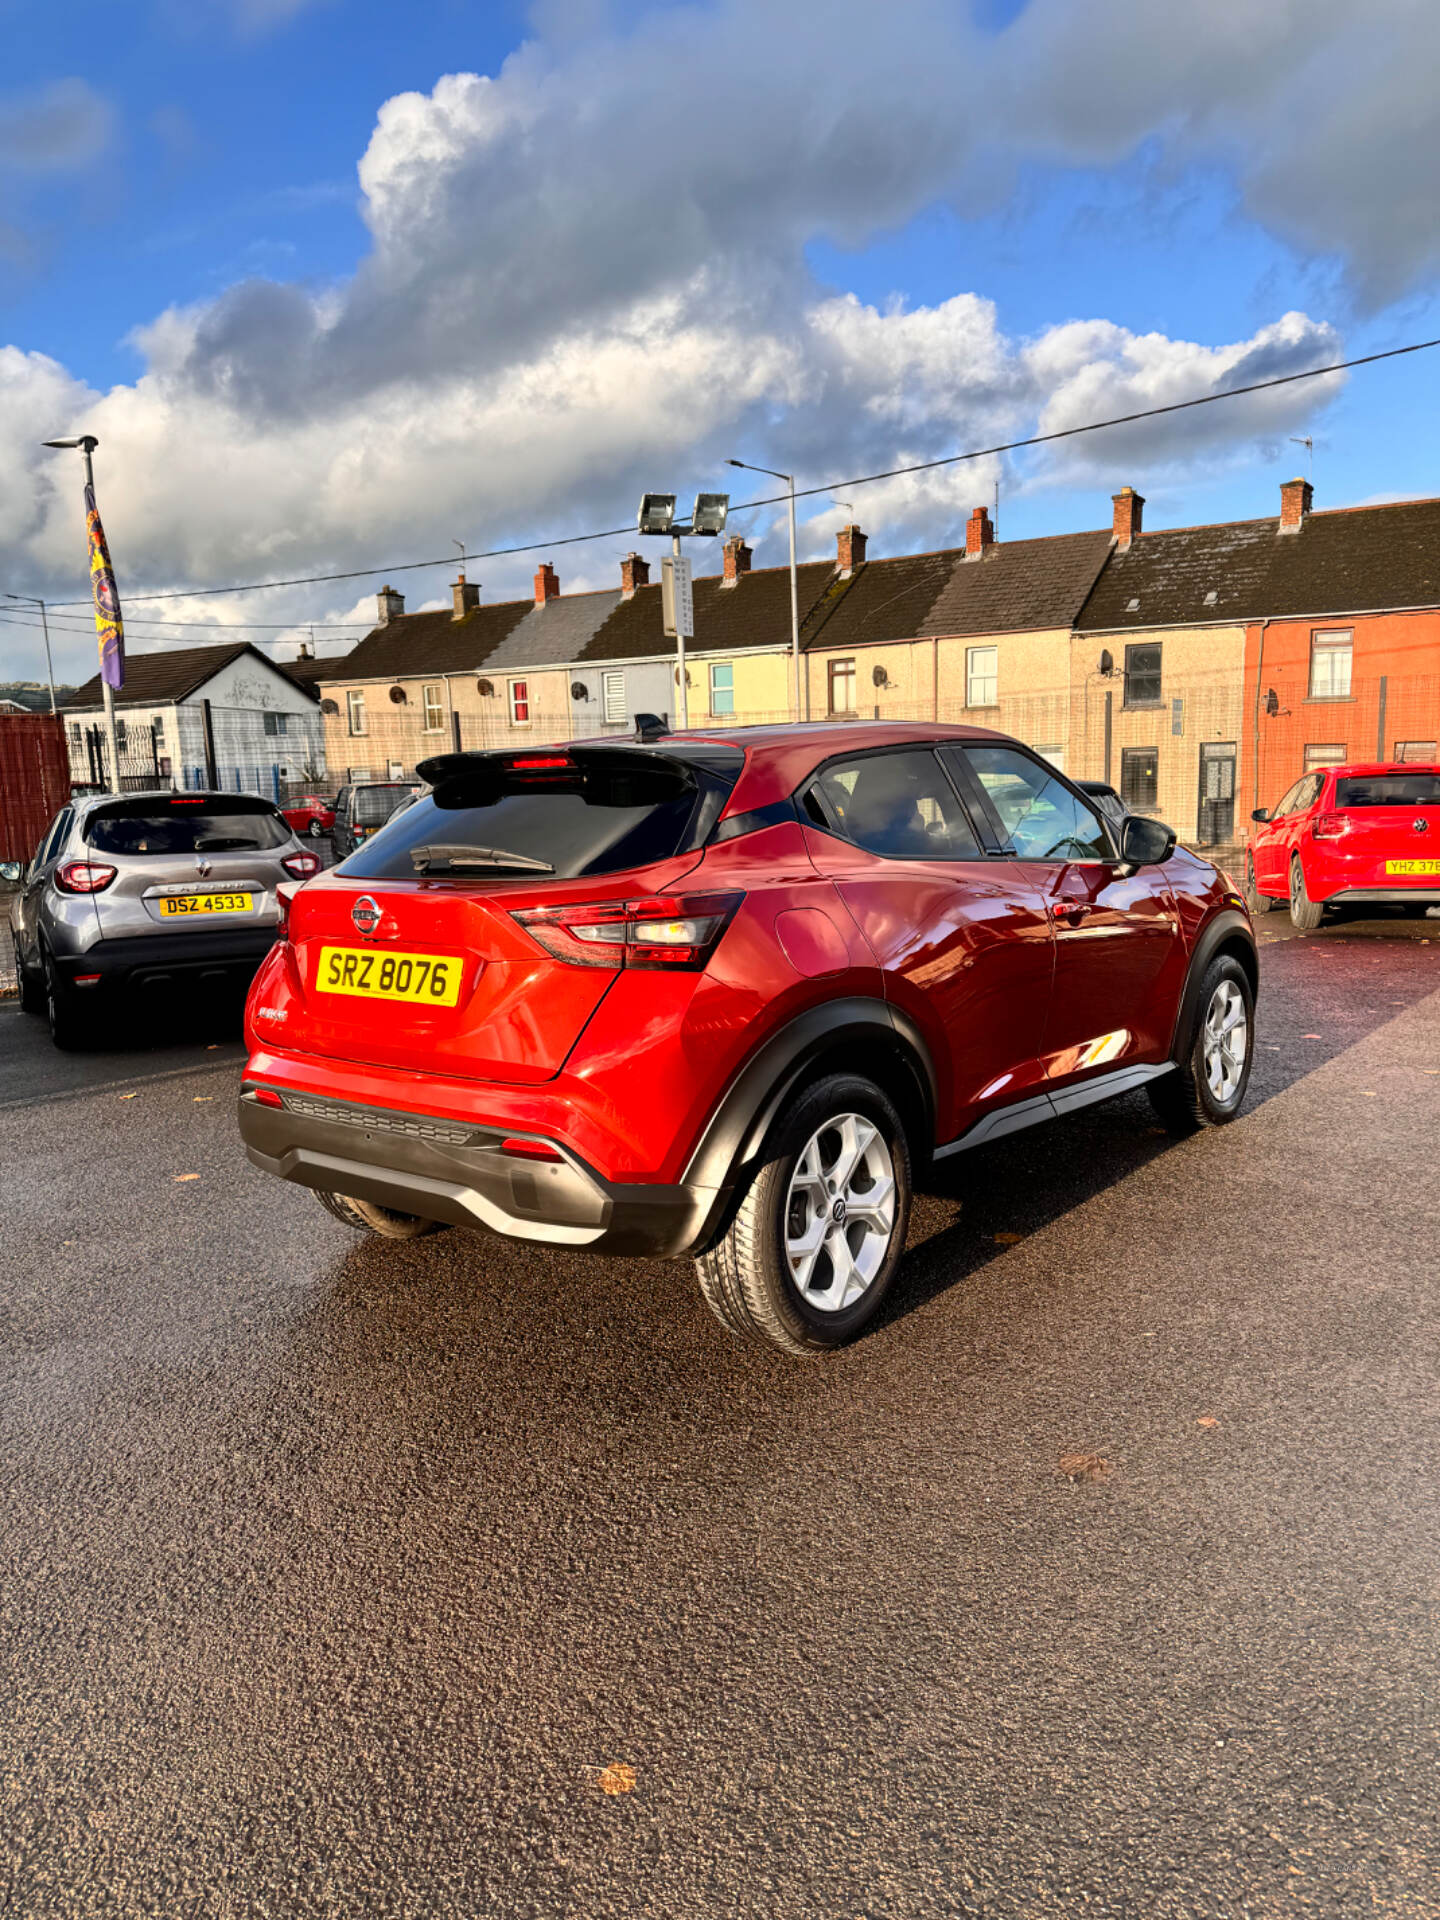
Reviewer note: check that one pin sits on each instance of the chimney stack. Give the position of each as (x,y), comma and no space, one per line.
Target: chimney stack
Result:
(737,559)
(391,605)
(1295,498)
(465,598)
(634,572)
(547,587)
(979,533)
(850,549)
(1129,513)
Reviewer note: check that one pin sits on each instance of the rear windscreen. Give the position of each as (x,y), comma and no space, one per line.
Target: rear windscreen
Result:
(376,804)
(224,826)
(493,824)
(1389,790)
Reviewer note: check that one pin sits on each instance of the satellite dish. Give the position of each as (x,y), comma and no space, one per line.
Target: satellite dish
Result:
(579,690)
(330,706)
(485,687)
(1272,701)
(1107,660)
(879,676)
(397,696)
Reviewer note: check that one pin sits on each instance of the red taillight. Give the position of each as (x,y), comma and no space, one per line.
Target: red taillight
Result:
(83,876)
(678,933)
(530,1150)
(303,866)
(1329,826)
(262,1096)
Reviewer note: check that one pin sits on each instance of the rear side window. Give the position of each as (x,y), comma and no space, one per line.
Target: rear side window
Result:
(495,823)
(899,805)
(1389,790)
(150,827)
(374,805)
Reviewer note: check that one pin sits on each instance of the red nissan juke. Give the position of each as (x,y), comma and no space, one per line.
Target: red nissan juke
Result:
(729,994)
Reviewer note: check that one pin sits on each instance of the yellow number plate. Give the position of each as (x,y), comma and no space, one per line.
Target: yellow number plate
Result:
(172,904)
(1412,866)
(429,979)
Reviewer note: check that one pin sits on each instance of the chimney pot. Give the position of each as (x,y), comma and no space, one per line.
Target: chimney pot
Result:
(547,586)
(465,597)
(850,545)
(737,559)
(979,534)
(634,572)
(1129,513)
(1295,499)
(390,604)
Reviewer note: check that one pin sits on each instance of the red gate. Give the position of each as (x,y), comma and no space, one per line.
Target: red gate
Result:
(34,779)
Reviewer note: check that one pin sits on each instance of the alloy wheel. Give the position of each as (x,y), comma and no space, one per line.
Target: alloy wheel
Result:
(1226,1041)
(840,1212)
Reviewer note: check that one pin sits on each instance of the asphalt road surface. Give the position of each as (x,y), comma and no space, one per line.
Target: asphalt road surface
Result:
(334,1573)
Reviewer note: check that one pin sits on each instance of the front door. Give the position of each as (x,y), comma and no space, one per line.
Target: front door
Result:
(1216,813)
(1119,956)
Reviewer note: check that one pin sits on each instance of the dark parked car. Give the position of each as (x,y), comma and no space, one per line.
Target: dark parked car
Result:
(725,995)
(362,808)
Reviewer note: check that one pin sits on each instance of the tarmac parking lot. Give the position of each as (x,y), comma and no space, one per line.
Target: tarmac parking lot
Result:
(337,1574)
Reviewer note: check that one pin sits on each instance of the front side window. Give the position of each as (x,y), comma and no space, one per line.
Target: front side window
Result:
(520,703)
(982,676)
(1329,754)
(899,805)
(1142,675)
(1330,655)
(355,710)
(1140,779)
(1039,818)
(433,700)
(722,688)
(842,686)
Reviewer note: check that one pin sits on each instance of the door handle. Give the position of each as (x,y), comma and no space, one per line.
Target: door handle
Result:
(1072,912)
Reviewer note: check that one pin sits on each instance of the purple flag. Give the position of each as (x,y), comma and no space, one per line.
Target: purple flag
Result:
(108,622)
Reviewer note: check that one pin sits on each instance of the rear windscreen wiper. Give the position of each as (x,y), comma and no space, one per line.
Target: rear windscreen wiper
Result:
(424,858)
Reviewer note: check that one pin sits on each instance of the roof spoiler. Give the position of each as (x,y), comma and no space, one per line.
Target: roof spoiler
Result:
(715,757)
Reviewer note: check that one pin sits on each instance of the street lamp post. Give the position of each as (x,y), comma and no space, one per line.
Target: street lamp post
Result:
(707,519)
(33,600)
(802,709)
(87,444)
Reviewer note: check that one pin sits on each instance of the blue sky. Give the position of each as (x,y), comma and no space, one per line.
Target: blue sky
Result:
(833,236)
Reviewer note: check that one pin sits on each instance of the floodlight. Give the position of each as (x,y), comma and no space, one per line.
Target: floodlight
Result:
(657,512)
(710,512)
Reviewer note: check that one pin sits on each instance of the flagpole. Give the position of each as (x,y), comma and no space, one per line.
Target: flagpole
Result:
(87,447)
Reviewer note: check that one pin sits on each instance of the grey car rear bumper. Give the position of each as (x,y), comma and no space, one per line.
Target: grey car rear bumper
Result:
(153,963)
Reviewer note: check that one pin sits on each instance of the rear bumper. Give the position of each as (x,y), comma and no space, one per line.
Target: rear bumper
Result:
(453,1170)
(155,963)
(1427,895)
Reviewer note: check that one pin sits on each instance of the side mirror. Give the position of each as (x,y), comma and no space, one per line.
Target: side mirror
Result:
(1261,813)
(11,870)
(1145,843)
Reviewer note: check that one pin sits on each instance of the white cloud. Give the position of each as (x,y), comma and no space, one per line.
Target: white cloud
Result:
(54,129)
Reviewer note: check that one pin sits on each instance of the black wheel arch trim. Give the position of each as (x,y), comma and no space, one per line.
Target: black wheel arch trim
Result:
(1228,927)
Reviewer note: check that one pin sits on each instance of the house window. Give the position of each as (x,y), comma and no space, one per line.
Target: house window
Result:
(520,703)
(981,676)
(1140,777)
(75,735)
(1142,675)
(355,708)
(121,741)
(1422,751)
(722,688)
(433,700)
(1055,756)
(1330,656)
(612,697)
(277,724)
(842,686)
(1329,754)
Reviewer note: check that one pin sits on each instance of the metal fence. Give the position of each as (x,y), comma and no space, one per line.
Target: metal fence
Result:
(236,749)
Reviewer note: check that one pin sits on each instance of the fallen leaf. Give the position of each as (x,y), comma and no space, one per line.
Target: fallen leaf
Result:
(1006,1239)
(1369,1096)
(617,1778)
(202,1098)
(1312,1036)
(1083,1466)
(127,1096)
(1207,1420)
(213,1045)
(184,1176)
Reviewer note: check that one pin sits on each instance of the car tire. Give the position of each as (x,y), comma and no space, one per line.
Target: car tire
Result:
(1305,913)
(1256,901)
(72,1027)
(317,832)
(31,986)
(1206,1091)
(785,1272)
(366,1217)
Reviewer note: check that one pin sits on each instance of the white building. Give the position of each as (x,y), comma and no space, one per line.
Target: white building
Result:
(200,717)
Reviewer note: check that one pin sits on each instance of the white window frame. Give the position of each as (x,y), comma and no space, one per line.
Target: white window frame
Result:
(612,697)
(355,707)
(517,692)
(848,677)
(435,706)
(982,683)
(1406,755)
(1332,645)
(1324,753)
(728,693)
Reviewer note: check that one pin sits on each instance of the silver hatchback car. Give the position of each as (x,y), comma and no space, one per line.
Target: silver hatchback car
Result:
(132,898)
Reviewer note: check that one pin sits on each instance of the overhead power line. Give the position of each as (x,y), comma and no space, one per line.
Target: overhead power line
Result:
(803,493)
